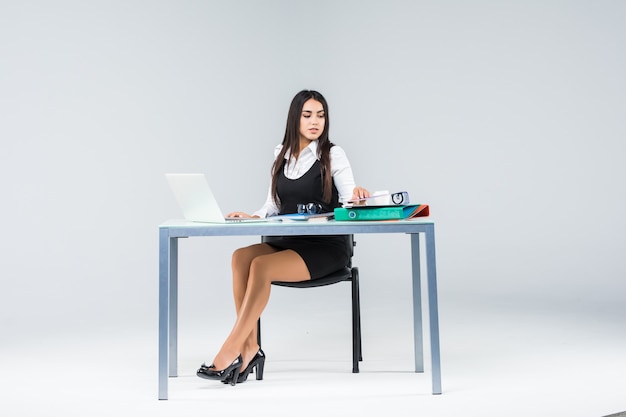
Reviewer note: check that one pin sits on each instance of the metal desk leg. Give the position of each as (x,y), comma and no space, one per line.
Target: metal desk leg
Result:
(418,335)
(173,310)
(433,309)
(164,270)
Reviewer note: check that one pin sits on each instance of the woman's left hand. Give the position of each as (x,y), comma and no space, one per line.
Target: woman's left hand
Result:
(360,193)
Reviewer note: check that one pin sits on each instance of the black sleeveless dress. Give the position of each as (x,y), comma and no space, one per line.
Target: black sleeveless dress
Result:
(321,254)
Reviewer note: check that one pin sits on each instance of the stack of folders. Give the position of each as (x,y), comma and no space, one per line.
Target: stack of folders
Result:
(394,212)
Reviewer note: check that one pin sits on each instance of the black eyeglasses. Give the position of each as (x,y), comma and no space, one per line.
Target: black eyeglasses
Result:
(309,208)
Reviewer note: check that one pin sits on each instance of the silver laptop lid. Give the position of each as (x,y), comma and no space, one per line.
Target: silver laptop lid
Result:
(195,198)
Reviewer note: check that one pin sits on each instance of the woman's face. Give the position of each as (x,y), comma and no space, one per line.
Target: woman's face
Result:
(312,120)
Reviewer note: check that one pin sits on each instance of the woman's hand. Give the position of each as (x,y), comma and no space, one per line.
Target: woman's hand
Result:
(239,214)
(359,193)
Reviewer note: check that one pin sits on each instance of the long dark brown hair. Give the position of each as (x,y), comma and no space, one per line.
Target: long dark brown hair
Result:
(291,142)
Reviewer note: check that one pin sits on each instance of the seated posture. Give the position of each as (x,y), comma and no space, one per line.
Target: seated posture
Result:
(308,171)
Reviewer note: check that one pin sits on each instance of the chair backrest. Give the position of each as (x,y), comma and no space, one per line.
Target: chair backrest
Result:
(351,244)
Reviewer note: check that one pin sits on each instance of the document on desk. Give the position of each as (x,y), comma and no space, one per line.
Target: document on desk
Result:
(305,217)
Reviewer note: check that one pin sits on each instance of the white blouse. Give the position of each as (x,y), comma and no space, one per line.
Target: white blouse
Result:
(340,169)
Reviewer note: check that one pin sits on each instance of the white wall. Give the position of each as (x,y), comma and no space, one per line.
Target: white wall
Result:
(506,117)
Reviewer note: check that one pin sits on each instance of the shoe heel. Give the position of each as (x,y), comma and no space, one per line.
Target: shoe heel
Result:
(235,375)
(259,369)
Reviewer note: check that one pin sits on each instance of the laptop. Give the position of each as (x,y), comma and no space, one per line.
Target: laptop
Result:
(197,201)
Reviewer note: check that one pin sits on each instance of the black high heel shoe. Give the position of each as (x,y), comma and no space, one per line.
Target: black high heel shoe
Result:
(258,362)
(230,373)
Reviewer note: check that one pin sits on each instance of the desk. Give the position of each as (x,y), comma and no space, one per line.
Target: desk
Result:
(171,231)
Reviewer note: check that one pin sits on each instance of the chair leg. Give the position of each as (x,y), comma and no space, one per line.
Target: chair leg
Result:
(258,332)
(356,322)
(358,309)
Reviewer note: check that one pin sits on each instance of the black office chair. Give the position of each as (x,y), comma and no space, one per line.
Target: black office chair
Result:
(349,273)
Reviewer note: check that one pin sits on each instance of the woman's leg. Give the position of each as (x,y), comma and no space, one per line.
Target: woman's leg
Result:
(285,265)
(241,261)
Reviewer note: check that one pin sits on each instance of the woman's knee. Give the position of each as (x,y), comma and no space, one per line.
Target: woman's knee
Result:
(244,256)
(260,268)
(239,255)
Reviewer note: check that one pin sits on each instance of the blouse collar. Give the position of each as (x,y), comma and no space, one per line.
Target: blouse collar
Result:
(311,147)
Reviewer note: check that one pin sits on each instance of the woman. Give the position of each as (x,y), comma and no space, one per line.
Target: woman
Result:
(308,172)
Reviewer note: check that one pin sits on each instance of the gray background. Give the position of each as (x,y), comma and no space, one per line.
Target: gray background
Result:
(506,117)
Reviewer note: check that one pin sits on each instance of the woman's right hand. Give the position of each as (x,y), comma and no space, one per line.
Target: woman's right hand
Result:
(239,214)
